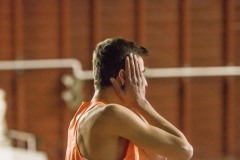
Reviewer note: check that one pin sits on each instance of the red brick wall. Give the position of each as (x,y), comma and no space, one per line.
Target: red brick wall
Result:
(177,33)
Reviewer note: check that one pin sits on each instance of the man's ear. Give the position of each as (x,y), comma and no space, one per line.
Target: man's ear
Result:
(121,77)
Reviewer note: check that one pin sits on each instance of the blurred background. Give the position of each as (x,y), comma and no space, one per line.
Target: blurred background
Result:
(178,33)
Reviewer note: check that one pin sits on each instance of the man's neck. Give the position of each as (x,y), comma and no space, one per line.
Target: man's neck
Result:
(108,95)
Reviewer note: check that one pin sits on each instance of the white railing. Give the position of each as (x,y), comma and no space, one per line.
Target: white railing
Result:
(79,73)
(192,72)
(21,137)
(74,64)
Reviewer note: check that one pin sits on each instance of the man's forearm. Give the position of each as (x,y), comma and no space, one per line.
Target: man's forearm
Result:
(155,119)
(183,150)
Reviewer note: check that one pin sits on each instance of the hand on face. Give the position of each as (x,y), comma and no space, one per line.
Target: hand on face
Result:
(134,83)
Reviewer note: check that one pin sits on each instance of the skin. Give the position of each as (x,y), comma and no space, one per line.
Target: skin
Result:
(104,131)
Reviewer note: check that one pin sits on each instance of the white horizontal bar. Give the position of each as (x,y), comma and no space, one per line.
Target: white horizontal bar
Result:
(150,72)
(192,72)
(47,64)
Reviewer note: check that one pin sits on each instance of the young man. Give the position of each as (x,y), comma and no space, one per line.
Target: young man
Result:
(119,123)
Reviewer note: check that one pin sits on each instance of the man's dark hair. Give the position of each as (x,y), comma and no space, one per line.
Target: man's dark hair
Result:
(109,58)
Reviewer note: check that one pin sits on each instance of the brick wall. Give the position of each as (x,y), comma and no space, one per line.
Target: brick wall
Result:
(177,33)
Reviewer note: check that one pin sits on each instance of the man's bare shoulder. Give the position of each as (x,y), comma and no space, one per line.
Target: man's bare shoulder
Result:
(115,119)
(114,107)
(115,111)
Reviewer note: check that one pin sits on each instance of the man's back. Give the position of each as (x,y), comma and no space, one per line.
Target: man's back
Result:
(93,141)
(90,130)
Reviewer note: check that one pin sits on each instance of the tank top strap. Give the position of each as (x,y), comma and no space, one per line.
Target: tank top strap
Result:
(99,101)
(93,103)
(86,105)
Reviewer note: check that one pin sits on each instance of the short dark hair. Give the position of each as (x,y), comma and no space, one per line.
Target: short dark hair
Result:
(109,58)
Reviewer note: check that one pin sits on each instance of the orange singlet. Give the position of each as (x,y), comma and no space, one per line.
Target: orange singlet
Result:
(73,152)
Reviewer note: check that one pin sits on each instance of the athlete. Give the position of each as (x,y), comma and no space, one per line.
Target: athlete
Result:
(119,123)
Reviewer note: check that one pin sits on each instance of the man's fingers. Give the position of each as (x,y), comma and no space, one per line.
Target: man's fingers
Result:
(138,70)
(132,68)
(127,67)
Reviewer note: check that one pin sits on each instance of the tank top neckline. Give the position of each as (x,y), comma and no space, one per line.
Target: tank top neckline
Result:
(98,101)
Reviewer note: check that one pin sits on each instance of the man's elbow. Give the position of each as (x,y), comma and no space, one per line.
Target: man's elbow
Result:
(187,152)
(182,151)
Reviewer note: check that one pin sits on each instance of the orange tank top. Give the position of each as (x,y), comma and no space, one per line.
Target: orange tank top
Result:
(73,152)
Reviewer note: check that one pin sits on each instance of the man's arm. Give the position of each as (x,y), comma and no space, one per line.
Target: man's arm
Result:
(160,136)
(155,119)
(150,155)
(123,122)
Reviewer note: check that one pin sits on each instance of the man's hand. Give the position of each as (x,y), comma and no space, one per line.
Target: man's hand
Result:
(135,82)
